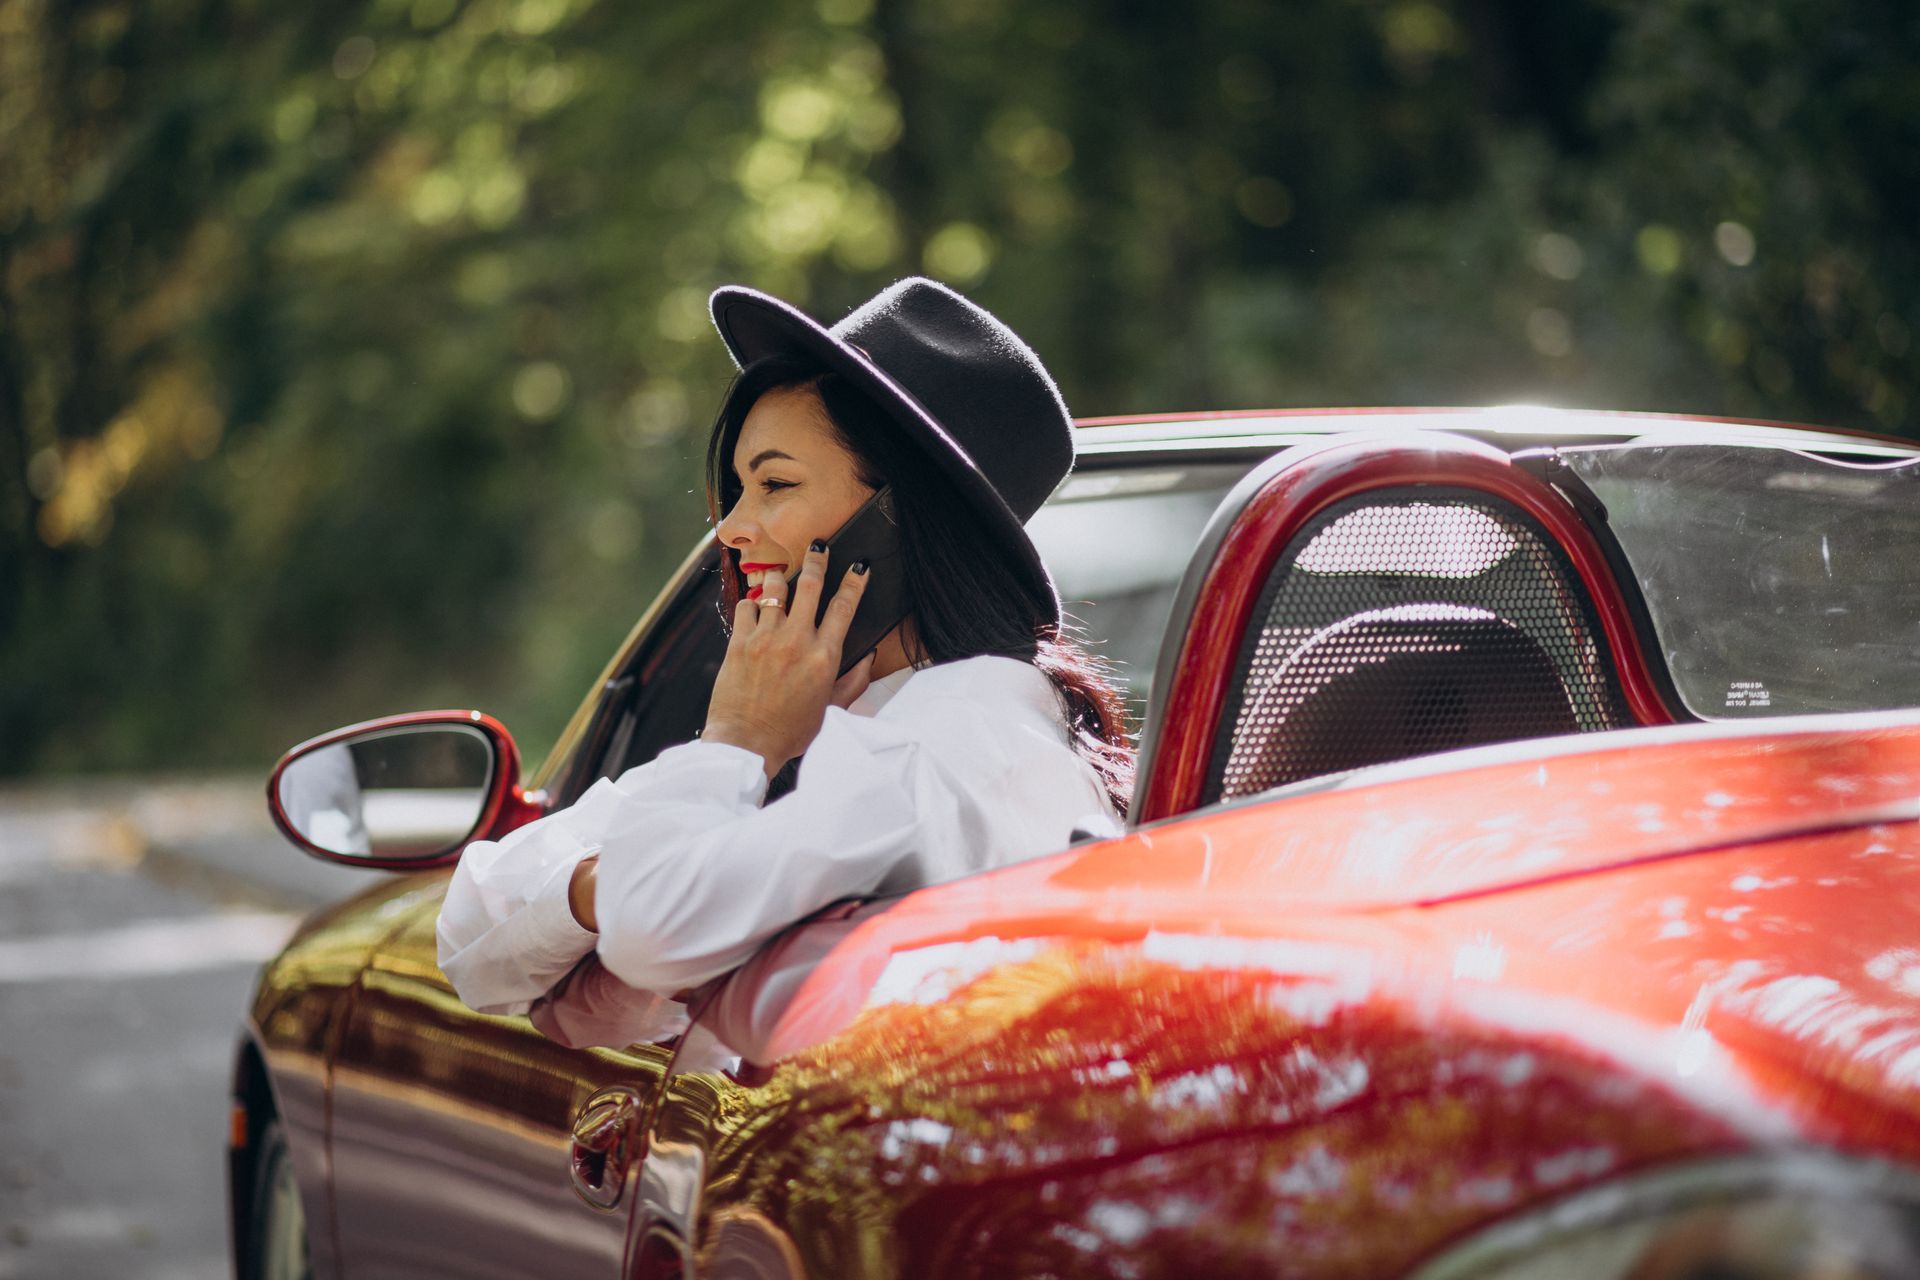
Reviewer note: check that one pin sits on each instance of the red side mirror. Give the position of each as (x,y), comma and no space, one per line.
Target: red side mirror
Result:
(404,793)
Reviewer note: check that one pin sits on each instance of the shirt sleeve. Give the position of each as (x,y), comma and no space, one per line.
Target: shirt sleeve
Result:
(688,891)
(592,1007)
(506,932)
(746,1008)
(694,875)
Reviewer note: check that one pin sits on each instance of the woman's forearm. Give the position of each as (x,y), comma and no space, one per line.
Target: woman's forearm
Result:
(519,913)
(680,901)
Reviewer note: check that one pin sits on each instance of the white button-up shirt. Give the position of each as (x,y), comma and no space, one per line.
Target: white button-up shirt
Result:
(932,774)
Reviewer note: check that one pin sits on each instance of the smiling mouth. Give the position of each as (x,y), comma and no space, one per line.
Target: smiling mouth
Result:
(753,592)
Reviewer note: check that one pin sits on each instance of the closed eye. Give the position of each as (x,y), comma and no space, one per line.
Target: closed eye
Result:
(770,485)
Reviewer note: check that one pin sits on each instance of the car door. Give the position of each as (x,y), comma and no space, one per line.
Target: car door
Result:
(452,1133)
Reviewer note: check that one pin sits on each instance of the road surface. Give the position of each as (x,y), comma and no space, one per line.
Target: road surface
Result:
(132,918)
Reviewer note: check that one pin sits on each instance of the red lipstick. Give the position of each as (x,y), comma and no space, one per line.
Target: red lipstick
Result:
(753,593)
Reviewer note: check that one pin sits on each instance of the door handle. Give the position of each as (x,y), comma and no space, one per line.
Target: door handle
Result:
(605,1133)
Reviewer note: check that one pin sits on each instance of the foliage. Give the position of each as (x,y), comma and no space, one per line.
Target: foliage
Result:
(353,358)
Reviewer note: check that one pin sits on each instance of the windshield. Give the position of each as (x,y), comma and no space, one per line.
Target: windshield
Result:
(1778,582)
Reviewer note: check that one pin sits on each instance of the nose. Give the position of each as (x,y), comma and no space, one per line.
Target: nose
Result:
(736,529)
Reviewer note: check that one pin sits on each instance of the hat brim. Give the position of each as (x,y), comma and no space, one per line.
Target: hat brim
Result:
(754,325)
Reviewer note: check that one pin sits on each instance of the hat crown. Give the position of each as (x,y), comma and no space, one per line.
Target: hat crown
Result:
(976,379)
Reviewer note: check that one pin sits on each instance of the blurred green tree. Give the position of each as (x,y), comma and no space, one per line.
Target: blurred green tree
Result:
(354,357)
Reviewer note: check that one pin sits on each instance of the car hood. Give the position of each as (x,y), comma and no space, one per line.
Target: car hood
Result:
(1385,841)
(1725,908)
(1477,822)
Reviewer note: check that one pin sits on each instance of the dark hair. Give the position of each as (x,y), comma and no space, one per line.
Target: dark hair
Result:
(961,602)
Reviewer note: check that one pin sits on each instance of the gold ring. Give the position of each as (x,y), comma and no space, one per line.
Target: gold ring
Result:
(775,601)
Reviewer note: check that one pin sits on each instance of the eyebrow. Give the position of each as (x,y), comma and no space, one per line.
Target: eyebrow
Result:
(766,454)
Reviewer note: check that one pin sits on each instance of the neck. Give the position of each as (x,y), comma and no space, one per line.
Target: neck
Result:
(890,655)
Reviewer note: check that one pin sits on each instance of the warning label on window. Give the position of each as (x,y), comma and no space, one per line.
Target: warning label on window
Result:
(1748,695)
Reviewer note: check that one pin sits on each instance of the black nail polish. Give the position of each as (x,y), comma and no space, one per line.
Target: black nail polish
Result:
(860,566)
(818,544)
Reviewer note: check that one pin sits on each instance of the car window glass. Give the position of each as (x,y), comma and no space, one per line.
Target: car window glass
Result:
(1118,540)
(1777,581)
(661,700)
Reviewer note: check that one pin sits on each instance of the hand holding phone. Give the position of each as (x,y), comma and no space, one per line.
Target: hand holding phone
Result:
(773,687)
(871,534)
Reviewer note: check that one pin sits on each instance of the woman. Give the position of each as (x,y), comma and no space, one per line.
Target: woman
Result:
(974,735)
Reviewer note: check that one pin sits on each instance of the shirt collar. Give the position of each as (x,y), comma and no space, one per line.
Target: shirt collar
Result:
(879,693)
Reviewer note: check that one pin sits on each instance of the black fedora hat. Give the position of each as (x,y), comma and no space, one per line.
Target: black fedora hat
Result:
(949,372)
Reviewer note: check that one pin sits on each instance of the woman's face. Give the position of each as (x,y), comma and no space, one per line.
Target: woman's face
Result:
(797,483)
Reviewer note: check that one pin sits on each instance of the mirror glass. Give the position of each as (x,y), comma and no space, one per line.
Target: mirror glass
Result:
(412,793)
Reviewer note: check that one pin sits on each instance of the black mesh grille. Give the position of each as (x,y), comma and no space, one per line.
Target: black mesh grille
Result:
(1405,622)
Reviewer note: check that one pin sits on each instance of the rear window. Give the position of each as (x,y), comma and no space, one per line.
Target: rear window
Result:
(1778,581)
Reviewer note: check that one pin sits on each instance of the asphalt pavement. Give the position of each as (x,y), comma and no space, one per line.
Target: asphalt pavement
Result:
(133,917)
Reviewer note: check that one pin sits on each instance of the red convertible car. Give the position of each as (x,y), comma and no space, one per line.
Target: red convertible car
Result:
(1523,881)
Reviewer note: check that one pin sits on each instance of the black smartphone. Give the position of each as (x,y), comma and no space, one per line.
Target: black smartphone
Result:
(869,534)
